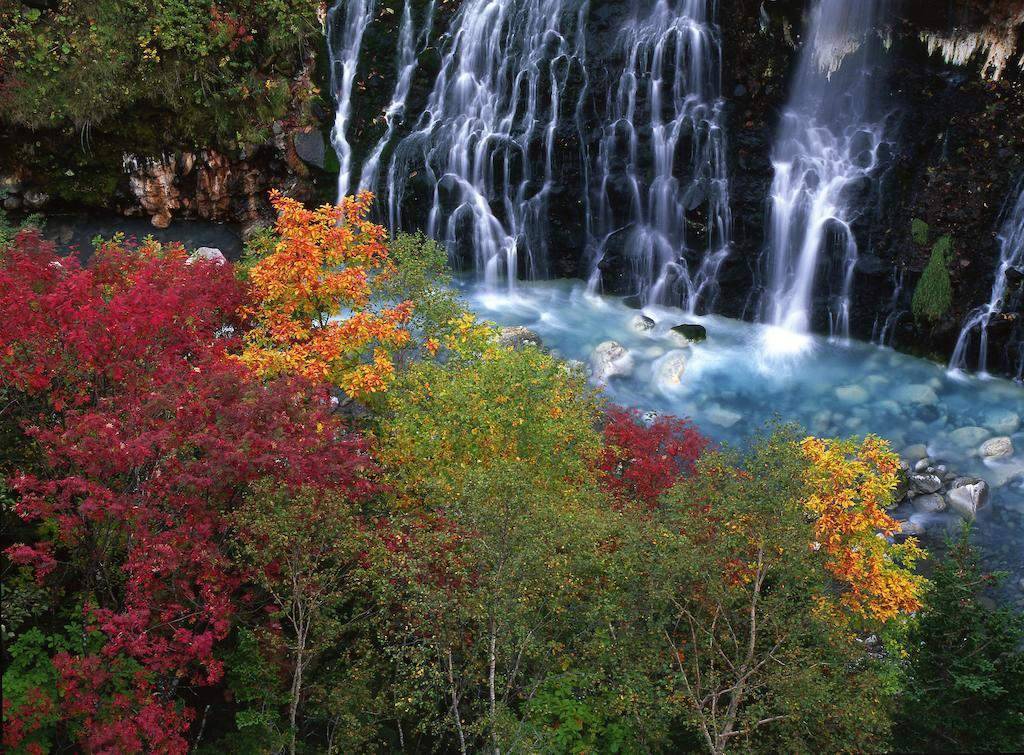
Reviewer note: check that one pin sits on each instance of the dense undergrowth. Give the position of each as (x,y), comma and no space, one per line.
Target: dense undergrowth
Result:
(310,504)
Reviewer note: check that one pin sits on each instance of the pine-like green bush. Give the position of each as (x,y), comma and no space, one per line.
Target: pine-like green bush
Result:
(934,292)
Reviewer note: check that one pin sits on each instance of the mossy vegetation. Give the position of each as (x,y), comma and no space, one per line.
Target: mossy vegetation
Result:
(934,292)
(222,72)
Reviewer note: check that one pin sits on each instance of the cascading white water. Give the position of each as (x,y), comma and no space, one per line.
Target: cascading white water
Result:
(347,22)
(1002,299)
(663,145)
(409,44)
(486,139)
(827,144)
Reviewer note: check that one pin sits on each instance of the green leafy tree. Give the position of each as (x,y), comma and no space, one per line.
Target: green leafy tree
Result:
(762,658)
(304,548)
(964,684)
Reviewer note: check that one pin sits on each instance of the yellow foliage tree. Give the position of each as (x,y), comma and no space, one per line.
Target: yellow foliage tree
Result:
(312,307)
(853,483)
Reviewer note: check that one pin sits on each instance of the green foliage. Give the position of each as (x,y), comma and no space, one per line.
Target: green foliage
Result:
(763,658)
(919,231)
(934,292)
(509,407)
(964,686)
(422,276)
(220,69)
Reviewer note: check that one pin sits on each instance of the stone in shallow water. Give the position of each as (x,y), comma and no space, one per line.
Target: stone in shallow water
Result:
(969,437)
(916,451)
(967,495)
(207,253)
(851,394)
(517,336)
(611,359)
(925,483)
(915,394)
(930,503)
(1002,421)
(719,415)
(996,448)
(669,370)
(691,332)
(642,323)
(910,527)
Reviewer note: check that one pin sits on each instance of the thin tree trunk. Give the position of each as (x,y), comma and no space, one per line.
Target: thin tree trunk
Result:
(455,704)
(297,681)
(492,662)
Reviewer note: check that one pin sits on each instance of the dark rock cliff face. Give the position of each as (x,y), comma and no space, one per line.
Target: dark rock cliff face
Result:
(957,148)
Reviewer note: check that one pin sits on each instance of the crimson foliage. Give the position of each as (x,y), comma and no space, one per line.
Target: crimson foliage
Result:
(641,460)
(149,434)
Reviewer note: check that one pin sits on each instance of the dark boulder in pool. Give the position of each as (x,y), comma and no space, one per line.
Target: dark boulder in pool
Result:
(691,332)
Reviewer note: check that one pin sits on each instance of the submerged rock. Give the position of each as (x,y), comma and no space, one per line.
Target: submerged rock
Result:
(996,448)
(719,415)
(518,336)
(915,393)
(611,359)
(966,495)
(969,437)
(1002,421)
(931,503)
(851,394)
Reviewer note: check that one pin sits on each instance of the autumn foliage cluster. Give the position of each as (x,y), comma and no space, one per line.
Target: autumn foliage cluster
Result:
(207,548)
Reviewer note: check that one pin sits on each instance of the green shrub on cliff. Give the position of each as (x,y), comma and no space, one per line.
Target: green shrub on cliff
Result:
(934,292)
(221,70)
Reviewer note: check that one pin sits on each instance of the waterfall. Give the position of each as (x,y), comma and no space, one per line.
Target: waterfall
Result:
(827,146)
(347,22)
(485,145)
(661,184)
(408,48)
(1003,298)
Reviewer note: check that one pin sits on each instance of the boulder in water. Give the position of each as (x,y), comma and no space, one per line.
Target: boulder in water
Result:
(915,394)
(518,336)
(692,333)
(611,359)
(670,368)
(996,448)
(207,253)
(932,503)
(926,483)
(642,323)
(966,495)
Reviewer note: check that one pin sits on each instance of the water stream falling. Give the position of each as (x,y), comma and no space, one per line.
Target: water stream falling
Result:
(347,22)
(409,46)
(485,143)
(1004,298)
(827,146)
(660,168)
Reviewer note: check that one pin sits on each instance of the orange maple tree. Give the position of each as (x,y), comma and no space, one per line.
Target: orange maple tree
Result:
(312,307)
(853,483)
